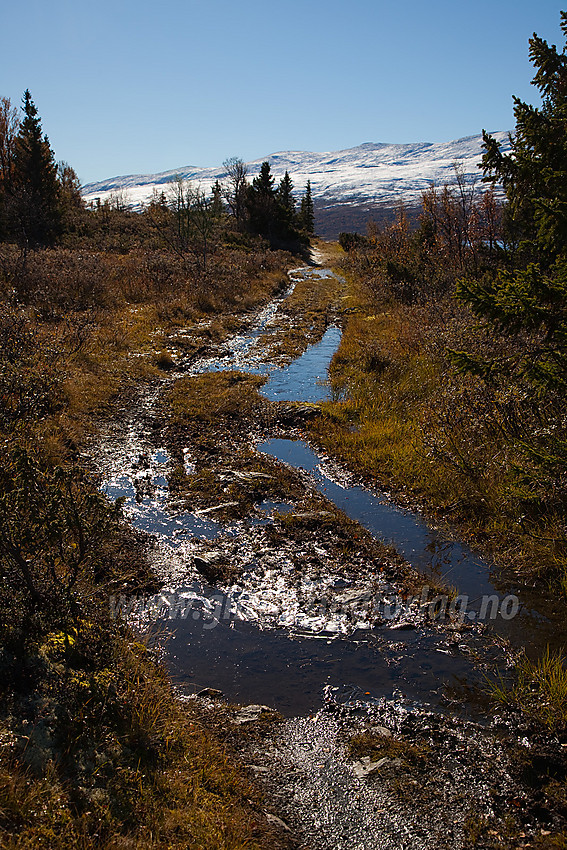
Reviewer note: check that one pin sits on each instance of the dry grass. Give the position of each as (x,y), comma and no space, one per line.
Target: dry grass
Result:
(538,690)
(95,751)
(376,746)
(139,770)
(402,415)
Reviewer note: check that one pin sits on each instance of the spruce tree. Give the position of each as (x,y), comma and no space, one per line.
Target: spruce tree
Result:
(286,199)
(532,299)
(534,173)
(524,306)
(217,206)
(307,212)
(261,202)
(35,182)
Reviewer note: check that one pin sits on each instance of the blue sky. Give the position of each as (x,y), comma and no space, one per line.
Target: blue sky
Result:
(132,86)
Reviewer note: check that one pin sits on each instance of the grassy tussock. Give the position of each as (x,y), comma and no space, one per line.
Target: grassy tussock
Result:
(212,415)
(538,690)
(377,746)
(214,397)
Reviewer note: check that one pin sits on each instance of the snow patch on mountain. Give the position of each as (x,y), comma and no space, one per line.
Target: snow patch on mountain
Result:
(375,173)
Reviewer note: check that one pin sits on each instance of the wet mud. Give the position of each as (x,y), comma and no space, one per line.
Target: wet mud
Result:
(281,589)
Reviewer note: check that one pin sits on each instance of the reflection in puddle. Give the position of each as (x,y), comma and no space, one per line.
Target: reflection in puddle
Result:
(291,674)
(425,548)
(261,652)
(145,494)
(305,379)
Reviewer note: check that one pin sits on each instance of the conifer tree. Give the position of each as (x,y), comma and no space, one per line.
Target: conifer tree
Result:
(307,212)
(525,305)
(532,299)
(217,208)
(71,204)
(534,173)
(35,180)
(286,199)
(261,202)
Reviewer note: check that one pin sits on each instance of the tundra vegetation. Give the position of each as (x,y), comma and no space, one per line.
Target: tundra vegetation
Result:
(94,748)
(449,384)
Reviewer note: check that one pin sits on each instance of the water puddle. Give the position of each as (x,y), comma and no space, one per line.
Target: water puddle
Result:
(145,492)
(488,596)
(275,637)
(291,673)
(426,549)
(241,350)
(305,379)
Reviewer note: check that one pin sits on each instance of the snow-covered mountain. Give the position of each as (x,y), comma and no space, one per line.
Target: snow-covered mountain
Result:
(372,174)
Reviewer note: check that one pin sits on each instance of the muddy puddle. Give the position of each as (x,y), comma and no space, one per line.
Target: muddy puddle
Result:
(268,637)
(289,642)
(296,674)
(488,596)
(306,378)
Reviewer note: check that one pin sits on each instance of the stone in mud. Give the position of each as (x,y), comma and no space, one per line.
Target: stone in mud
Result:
(258,769)
(355,597)
(209,565)
(251,713)
(380,730)
(276,821)
(366,767)
(212,693)
(208,558)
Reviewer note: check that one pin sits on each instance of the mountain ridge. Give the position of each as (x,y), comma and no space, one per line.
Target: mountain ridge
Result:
(373,175)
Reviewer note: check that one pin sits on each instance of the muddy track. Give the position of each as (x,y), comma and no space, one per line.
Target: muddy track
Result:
(272,596)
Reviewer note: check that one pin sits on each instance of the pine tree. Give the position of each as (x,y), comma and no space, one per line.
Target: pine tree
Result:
(71,204)
(35,180)
(263,184)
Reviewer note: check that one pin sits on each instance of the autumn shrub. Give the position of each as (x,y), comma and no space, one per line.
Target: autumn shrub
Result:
(59,544)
